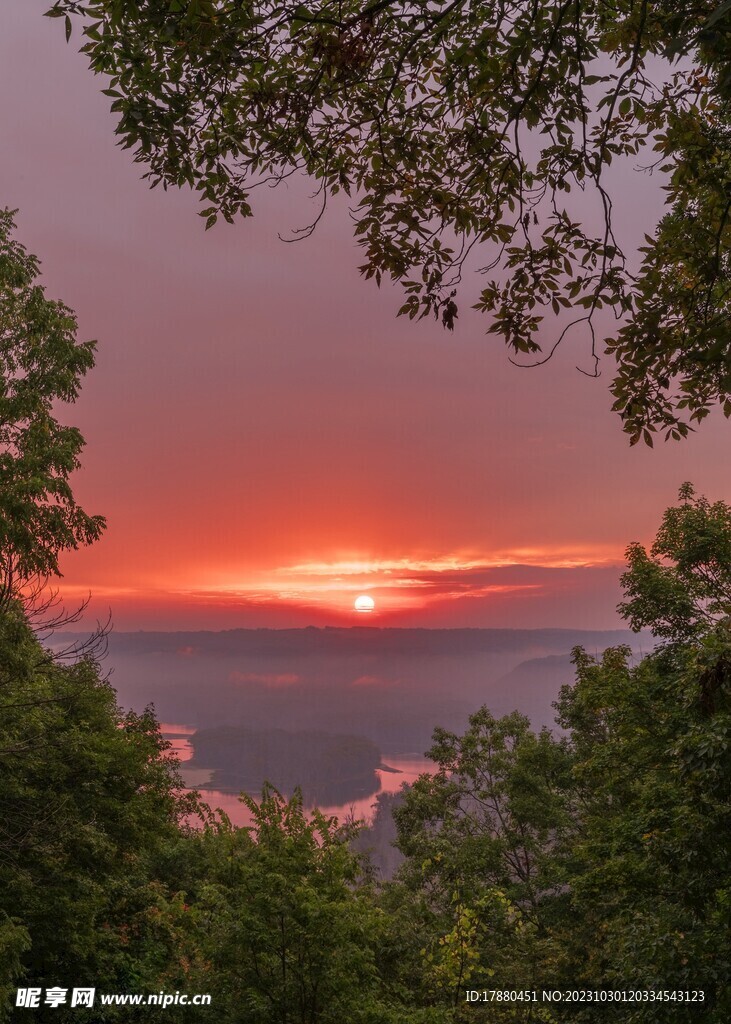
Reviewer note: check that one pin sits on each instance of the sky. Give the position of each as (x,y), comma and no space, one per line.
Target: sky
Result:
(268,441)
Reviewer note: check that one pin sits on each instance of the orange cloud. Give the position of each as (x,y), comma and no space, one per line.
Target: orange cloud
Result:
(398,584)
(270,680)
(375,682)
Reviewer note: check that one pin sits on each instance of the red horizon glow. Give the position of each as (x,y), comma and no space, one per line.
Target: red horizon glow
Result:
(443,590)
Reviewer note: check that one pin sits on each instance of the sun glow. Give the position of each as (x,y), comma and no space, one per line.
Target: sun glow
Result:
(391,587)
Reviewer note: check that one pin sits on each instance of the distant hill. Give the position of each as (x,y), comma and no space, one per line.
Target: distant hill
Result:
(359,640)
(533,686)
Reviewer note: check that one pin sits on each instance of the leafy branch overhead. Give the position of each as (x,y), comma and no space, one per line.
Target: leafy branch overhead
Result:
(461,132)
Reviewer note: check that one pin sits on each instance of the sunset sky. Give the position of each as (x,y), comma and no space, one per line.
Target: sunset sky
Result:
(268,441)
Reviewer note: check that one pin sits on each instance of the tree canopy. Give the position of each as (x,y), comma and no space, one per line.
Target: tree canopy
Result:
(91,832)
(285,929)
(682,586)
(41,365)
(466,135)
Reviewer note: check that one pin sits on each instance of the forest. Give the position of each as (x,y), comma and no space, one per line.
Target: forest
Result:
(590,857)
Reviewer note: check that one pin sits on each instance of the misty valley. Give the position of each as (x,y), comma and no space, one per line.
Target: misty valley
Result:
(343,714)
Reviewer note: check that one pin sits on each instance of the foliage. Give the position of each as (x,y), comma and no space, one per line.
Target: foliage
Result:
(41,365)
(683,585)
(91,809)
(483,877)
(465,132)
(283,928)
(489,814)
(14,941)
(653,777)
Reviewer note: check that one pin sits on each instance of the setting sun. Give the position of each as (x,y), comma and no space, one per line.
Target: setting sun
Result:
(364,603)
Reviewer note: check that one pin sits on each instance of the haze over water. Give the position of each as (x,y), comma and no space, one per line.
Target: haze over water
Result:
(332,709)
